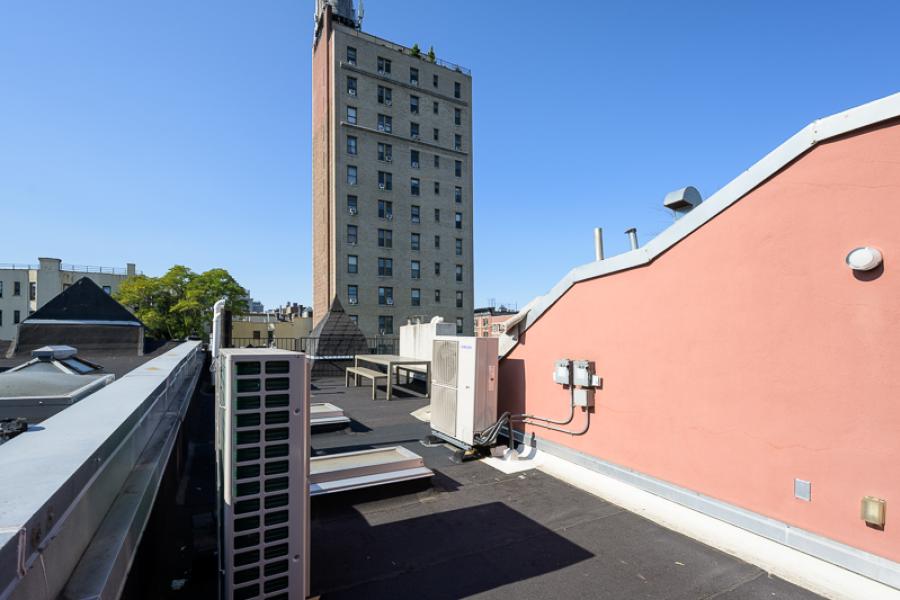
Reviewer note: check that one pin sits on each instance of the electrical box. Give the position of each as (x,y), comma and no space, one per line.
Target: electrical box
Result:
(262,459)
(582,373)
(583,397)
(562,372)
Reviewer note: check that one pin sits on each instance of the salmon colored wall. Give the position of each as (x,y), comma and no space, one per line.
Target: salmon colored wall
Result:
(749,354)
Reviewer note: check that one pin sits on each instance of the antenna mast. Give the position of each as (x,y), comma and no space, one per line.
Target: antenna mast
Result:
(360,13)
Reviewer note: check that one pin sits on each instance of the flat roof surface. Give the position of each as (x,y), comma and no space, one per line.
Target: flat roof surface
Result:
(113,361)
(472,531)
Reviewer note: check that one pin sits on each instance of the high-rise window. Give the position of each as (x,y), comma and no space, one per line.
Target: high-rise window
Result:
(352,263)
(413,76)
(437,296)
(415,297)
(437,215)
(459,247)
(354,318)
(459,273)
(414,159)
(385,324)
(414,215)
(437,161)
(351,55)
(437,268)
(385,95)
(437,241)
(457,168)
(435,107)
(351,115)
(458,220)
(351,86)
(414,241)
(437,188)
(353,294)
(385,123)
(1,318)
(386,296)
(386,267)
(457,116)
(457,194)
(385,180)
(459,299)
(352,204)
(1,289)
(385,238)
(457,89)
(437,134)
(434,80)
(414,130)
(385,209)
(415,269)
(17,288)
(351,144)
(384,66)
(414,105)
(457,142)
(385,152)
(459,325)
(351,174)
(17,316)
(352,234)
(414,186)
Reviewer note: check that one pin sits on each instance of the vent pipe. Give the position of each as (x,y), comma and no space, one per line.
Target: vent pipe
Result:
(598,243)
(683,200)
(632,237)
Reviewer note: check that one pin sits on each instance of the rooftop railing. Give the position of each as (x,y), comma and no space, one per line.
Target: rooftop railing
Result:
(409,52)
(93,269)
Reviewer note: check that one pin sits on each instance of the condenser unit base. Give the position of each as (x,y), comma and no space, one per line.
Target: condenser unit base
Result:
(364,468)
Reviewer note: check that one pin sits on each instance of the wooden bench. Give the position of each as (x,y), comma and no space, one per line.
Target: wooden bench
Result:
(358,372)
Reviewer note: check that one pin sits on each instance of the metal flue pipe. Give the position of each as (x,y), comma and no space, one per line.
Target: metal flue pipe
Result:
(598,243)
(632,237)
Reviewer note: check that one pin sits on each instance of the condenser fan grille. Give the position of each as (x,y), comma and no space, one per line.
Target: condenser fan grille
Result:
(445,357)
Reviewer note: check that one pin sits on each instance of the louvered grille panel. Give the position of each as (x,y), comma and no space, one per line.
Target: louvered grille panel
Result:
(443,409)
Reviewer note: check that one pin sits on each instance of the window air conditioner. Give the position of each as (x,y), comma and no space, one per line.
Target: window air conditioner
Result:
(351,91)
(415,137)
(389,158)
(387,102)
(354,300)
(389,216)
(390,301)
(415,165)
(353,211)
(380,127)
(380,186)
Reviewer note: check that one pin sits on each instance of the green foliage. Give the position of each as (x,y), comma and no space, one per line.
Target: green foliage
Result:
(415,51)
(179,304)
(431,55)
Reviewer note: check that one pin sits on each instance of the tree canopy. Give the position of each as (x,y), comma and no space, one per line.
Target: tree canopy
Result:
(179,304)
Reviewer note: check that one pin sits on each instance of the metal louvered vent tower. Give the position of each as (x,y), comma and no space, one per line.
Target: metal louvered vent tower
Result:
(262,456)
(463,387)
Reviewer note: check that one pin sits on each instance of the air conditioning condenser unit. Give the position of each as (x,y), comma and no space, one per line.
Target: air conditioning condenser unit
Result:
(463,387)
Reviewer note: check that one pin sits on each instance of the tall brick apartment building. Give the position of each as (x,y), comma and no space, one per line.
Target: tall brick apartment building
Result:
(392,179)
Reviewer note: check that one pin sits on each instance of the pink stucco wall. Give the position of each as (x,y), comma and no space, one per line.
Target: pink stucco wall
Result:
(749,354)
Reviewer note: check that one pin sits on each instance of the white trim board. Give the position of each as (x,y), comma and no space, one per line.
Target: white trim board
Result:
(819,131)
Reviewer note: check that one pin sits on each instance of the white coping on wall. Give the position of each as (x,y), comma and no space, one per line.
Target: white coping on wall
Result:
(827,567)
(816,132)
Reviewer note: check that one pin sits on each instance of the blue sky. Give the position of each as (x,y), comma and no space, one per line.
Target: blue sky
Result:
(179,132)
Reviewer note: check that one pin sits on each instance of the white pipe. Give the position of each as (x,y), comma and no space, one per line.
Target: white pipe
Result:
(632,237)
(218,327)
(598,243)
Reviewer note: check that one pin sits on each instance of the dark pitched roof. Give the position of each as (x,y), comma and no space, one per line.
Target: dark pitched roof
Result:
(83,301)
(338,335)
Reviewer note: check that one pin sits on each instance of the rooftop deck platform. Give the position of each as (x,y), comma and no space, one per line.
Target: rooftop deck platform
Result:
(472,531)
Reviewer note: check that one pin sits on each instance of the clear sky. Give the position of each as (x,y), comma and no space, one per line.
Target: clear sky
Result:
(172,132)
